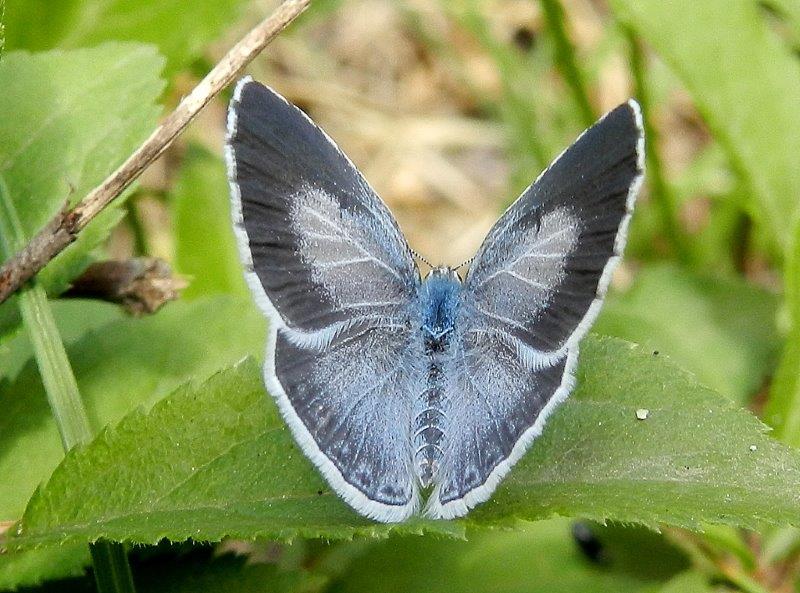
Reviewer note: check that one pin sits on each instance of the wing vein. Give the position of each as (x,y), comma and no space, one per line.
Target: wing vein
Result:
(350,241)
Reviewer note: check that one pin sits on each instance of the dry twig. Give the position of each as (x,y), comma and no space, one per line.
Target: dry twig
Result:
(65,226)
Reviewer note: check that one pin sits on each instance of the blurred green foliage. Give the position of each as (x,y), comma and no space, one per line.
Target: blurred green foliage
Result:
(205,250)
(180,32)
(188,447)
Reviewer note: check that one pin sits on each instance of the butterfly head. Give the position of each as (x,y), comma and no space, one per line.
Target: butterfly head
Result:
(439,299)
(443,273)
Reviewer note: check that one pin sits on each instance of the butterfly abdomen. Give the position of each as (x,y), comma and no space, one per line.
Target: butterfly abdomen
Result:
(429,425)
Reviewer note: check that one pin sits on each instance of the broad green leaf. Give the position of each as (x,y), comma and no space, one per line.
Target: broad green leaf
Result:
(216,460)
(205,248)
(169,573)
(34,567)
(125,364)
(181,32)
(721,329)
(783,407)
(538,557)
(746,84)
(67,118)
(633,549)
(208,462)
(597,460)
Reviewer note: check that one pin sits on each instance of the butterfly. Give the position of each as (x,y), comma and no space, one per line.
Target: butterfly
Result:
(397,386)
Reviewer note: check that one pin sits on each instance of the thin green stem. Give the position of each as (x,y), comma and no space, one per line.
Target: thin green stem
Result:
(60,386)
(59,382)
(660,191)
(784,401)
(140,246)
(112,573)
(791,276)
(565,59)
(2,27)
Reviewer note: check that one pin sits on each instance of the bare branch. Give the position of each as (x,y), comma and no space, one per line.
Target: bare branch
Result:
(65,226)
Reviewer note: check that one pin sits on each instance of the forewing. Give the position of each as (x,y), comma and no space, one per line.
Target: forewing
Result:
(531,294)
(323,249)
(543,269)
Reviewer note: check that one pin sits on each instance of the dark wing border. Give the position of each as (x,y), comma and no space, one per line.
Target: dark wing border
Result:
(620,240)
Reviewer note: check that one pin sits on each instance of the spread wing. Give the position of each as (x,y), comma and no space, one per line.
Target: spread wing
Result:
(329,266)
(324,250)
(534,288)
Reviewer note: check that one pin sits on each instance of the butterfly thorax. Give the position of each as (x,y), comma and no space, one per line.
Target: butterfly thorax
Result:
(439,298)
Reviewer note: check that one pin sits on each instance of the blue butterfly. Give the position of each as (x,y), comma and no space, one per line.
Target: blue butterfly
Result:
(393,384)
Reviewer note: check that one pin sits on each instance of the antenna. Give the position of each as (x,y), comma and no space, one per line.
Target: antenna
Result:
(422,259)
(464,263)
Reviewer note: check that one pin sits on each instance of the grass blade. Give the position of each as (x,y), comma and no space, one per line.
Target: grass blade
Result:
(565,60)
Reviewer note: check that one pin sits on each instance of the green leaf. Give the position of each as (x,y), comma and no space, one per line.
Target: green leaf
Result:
(540,557)
(171,573)
(207,462)
(746,84)
(722,329)
(635,549)
(33,567)
(125,364)
(205,248)
(66,120)
(216,460)
(180,34)
(783,407)
(597,460)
